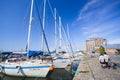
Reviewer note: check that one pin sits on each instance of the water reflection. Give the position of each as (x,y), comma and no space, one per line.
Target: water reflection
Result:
(60,74)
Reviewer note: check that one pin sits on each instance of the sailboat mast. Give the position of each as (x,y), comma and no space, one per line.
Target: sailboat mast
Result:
(68,32)
(43,24)
(60,33)
(29,29)
(55,26)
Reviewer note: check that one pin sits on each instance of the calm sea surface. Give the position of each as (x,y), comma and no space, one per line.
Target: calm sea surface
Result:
(57,74)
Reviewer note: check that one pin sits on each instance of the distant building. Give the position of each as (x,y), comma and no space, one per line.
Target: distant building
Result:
(113,49)
(93,44)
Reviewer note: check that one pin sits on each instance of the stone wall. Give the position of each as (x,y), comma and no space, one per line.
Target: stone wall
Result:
(112,51)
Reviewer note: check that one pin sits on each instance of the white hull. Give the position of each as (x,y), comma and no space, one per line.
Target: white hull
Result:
(28,69)
(61,63)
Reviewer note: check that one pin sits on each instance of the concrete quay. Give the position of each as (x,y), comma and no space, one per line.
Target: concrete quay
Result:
(90,69)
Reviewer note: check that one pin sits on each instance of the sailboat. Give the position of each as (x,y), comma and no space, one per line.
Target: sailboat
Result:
(60,60)
(28,68)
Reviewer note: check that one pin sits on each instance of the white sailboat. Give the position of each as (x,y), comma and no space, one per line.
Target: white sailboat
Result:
(59,60)
(29,68)
(25,68)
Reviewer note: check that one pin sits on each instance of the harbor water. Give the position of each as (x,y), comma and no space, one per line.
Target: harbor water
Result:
(57,74)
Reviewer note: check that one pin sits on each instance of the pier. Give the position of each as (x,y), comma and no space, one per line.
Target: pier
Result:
(90,69)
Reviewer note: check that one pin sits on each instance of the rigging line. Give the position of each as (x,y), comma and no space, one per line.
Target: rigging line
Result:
(51,8)
(37,19)
(63,38)
(42,3)
(74,44)
(43,30)
(68,43)
(67,39)
(43,23)
(53,12)
(70,39)
(65,45)
(28,8)
(53,15)
(68,36)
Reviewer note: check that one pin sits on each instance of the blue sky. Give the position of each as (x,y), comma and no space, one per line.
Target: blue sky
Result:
(86,19)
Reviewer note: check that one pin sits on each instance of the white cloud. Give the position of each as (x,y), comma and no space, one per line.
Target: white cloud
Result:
(102,30)
(109,7)
(92,30)
(96,22)
(98,18)
(85,8)
(97,10)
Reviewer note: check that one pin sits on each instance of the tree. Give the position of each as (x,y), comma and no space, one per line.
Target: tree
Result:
(102,50)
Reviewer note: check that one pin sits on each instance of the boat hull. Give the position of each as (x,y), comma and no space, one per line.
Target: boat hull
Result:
(28,70)
(61,63)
